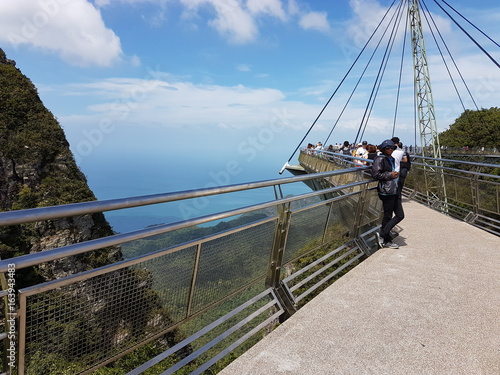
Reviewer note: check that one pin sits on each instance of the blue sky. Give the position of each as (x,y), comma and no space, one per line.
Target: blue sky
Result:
(207,82)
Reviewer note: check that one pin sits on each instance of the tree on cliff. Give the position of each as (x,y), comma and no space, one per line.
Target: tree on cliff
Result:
(474,129)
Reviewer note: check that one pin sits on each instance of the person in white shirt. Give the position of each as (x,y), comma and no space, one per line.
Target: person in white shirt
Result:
(399,155)
(361,152)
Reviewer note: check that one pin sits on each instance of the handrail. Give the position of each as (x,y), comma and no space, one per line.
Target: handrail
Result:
(459,170)
(478,164)
(472,203)
(32,259)
(458,161)
(199,270)
(83,208)
(286,234)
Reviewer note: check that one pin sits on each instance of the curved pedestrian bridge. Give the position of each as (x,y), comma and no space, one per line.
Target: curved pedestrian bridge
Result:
(430,307)
(307,261)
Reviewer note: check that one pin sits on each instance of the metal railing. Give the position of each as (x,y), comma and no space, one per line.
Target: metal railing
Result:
(182,303)
(472,191)
(472,188)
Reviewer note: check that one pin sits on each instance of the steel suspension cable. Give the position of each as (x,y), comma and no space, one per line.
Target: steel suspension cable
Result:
(380,74)
(474,26)
(470,37)
(455,64)
(339,85)
(449,53)
(391,42)
(359,80)
(390,45)
(400,76)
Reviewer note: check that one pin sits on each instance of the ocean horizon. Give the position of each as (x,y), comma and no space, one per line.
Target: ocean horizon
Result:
(134,177)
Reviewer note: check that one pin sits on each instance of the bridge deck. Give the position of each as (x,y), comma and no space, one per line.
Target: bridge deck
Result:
(430,307)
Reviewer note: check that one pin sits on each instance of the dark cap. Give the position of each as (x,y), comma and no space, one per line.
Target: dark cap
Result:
(395,140)
(364,142)
(387,144)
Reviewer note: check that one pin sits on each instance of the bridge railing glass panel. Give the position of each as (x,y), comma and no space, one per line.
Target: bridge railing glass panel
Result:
(471,190)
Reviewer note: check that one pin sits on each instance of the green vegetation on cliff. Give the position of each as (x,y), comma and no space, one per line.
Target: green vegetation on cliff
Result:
(71,328)
(37,164)
(474,129)
(37,169)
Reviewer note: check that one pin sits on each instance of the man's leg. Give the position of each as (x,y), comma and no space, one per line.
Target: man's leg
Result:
(401,182)
(388,203)
(399,215)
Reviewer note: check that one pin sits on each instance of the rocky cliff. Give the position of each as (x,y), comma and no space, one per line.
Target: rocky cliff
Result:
(87,322)
(37,169)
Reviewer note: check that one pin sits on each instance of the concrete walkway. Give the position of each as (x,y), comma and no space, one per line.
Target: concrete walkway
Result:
(430,307)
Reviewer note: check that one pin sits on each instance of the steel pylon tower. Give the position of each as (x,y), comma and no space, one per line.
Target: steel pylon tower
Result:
(429,136)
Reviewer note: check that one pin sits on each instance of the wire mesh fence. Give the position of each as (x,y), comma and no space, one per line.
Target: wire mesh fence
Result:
(172,286)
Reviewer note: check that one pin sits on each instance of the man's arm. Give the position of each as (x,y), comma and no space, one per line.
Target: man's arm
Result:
(379,172)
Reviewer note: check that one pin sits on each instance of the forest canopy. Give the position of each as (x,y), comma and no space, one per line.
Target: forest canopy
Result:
(474,129)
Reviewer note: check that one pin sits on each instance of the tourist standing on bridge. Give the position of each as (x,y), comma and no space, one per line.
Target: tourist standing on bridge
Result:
(401,163)
(371,152)
(346,149)
(383,170)
(361,152)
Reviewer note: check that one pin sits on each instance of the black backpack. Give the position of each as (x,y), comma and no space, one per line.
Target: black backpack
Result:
(405,166)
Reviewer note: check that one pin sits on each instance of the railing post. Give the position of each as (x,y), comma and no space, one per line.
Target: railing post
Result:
(193,280)
(475,193)
(327,221)
(9,320)
(273,277)
(3,339)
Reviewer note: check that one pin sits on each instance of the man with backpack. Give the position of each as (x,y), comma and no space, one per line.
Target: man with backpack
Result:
(346,149)
(384,171)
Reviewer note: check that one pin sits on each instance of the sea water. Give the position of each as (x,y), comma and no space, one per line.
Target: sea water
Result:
(131,177)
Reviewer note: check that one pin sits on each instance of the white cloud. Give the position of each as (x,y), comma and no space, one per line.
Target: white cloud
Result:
(76,31)
(230,19)
(238,23)
(102,3)
(315,21)
(175,104)
(243,67)
(268,7)
(367,16)
(73,29)
(293,7)
(369,13)
(168,104)
(135,60)
(481,76)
